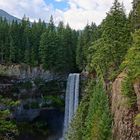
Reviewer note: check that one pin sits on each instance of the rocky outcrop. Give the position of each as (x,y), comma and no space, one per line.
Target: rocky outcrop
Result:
(32,87)
(137,91)
(27,72)
(124,127)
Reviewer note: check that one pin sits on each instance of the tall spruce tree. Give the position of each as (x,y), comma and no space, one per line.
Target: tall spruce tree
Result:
(12,57)
(48,47)
(135,15)
(27,55)
(86,38)
(36,31)
(108,52)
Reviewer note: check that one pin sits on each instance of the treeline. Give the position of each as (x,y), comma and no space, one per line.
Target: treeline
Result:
(38,43)
(111,41)
(114,48)
(102,49)
(56,48)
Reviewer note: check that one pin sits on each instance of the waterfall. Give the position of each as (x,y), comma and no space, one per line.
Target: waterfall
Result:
(71,99)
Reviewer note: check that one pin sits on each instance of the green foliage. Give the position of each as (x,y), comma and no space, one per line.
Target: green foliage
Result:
(9,102)
(131,65)
(36,44)
(54,101)
(7,127)
(93,118)
(48,50)
(135,15)
(137,120)
(12,56)
(98,121)
(89,34)
(36,128)
(57,48)
(106,54)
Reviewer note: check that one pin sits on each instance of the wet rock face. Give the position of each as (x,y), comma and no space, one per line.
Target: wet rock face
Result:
(124,127)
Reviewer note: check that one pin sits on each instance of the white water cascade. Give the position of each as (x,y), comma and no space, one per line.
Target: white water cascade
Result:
(71,99)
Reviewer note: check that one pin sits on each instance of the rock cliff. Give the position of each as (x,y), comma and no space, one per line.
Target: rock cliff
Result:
(124,127)
(27,72)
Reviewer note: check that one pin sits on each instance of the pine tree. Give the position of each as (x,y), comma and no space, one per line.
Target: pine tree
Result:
(36,31)
(70,49)
(27,55)
(135,15)
(80,57)
(4,30)
(87,37)
(42,49)
(25,37)
(12,57)
(51,26)
(61,60)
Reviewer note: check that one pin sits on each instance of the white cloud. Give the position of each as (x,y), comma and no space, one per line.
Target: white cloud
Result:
(34,9)
(79,13)
(82,12)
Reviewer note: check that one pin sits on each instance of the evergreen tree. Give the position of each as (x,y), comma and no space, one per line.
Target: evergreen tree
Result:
(135,15)
(15,42)
(61,49)
(70,49)
(4,30)
(36,44)
(131,66)
(51,26)
(109,51)
(42,49)
(80,57)
(25,35)
(36,31)
(87,37)
(12,57)
(27,55)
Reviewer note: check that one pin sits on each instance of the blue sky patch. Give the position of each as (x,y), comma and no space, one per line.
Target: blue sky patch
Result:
(63,5)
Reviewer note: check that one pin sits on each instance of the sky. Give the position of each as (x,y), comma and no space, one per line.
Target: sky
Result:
(78,13)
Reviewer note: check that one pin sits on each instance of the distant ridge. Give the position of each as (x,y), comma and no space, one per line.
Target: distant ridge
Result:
(9,17)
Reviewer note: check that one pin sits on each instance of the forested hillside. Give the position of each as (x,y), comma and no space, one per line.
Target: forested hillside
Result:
(38,43)
(114,49)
